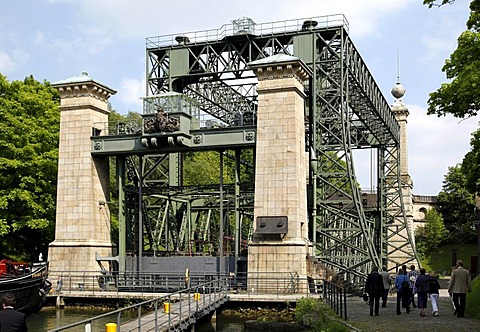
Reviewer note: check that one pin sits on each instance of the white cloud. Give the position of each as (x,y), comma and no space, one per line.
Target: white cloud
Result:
(130,92)
(21,56)
(38,38)
(434,144)
(363,16)
(441,31)
(130,20)
(6,63)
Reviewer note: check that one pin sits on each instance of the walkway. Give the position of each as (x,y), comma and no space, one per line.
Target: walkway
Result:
(389,321)
(180,314)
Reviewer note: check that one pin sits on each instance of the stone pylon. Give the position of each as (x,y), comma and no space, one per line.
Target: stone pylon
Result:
(82,227)
(280,246)
(400,110)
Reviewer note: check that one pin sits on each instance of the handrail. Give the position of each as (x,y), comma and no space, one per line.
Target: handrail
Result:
(336,297)
(221,287)
(216,287)
(260,29)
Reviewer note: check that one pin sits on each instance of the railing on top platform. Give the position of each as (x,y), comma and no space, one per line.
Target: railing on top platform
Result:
(246,26)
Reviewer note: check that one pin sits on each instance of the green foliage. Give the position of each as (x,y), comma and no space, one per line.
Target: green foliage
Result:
(129,117)
(441,260)
(457,204)
(203,168)
(333,327)
(473,300)
(29,129)
(460,96)
(321,313)
(307,306)
(333,163)
(471,164)
(433,234)
(437,3)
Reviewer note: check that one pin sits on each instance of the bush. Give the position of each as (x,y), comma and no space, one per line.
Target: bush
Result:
(322,314)
(473,300)
(307,306)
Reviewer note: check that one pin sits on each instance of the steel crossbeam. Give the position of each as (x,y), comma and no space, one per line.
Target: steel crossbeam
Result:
(345,110)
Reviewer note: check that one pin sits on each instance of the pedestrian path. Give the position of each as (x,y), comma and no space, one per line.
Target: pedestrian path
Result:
(389,321)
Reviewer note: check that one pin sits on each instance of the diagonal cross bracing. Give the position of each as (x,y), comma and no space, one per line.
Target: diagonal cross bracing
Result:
(346,110)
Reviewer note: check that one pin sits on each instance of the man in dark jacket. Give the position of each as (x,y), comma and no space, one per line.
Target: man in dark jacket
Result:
(11,320)
(374,289)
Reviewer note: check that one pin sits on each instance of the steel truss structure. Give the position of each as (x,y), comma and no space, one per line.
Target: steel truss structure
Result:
(345,110)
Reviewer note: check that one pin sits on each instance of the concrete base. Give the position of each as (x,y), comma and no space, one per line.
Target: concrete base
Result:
(76,256)
(275,266)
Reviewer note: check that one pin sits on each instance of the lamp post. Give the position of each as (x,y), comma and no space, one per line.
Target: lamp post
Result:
(476,223)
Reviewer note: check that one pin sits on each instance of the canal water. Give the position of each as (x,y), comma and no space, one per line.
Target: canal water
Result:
(51,317)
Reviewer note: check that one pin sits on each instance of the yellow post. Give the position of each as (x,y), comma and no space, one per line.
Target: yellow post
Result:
(166,307)
(110,327)
(196,296)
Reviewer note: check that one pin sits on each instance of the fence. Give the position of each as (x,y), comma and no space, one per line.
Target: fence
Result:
(179,289)
(336,297)
(149,317)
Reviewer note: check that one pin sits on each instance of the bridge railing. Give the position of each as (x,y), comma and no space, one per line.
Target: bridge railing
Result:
(336,297)
(213,291)
(287,288)
(93,281)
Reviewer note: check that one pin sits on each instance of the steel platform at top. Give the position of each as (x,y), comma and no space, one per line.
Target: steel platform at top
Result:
(245,25)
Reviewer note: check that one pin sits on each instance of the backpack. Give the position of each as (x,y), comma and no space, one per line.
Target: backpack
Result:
(405,286)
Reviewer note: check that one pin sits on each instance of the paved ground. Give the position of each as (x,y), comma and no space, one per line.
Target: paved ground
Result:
(389,321)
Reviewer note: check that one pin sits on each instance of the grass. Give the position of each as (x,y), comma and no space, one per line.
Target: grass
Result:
(441,260)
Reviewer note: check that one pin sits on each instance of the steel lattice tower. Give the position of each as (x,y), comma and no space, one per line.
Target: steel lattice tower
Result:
(345,110)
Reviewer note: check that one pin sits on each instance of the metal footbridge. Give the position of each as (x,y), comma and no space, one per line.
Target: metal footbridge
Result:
(176,311)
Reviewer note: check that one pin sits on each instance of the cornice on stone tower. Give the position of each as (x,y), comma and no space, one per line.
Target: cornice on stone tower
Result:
(83,86)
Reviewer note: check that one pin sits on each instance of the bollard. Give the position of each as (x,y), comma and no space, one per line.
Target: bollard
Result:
(196,296)
(166,307)
(110,327)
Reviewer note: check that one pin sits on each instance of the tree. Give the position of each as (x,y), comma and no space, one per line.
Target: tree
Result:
(457,204)
(471,164)
(29,129)
(432,3)
(203,168)
(432,234)
(459,97)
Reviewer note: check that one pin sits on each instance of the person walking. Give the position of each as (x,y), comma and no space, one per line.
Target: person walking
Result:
(11,320)
(387,280)
(421,285)
(374,289)
(412,276)
(433,291)
(460,284)
(450,294)
(403,291)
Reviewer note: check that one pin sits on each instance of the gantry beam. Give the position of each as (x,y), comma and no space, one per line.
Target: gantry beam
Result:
(345,110)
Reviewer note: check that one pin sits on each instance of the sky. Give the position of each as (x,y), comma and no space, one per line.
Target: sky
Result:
(57,39)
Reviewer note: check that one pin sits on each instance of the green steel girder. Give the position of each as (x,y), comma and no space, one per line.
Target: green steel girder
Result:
(345,110)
